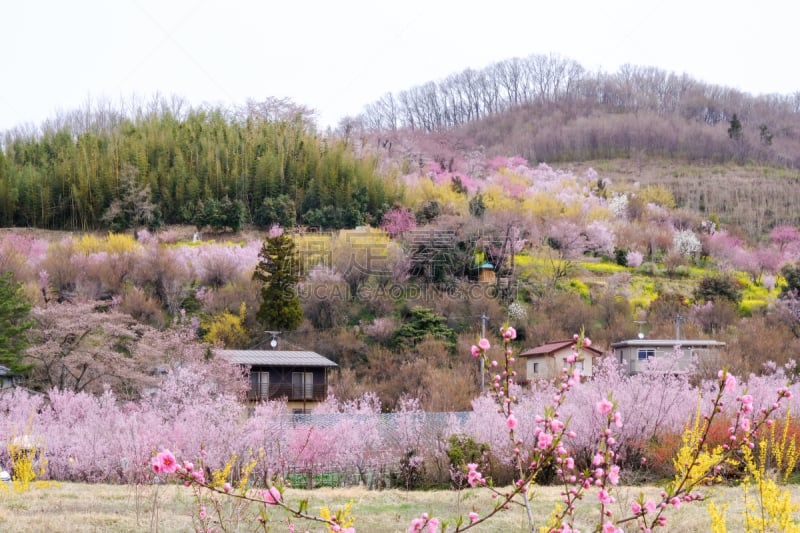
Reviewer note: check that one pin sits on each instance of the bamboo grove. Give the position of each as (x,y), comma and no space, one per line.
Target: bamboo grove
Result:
(67,177)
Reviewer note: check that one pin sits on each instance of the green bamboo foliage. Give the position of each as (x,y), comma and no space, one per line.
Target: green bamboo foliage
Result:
(67,179)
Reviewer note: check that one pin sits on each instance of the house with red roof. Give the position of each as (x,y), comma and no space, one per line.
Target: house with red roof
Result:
(545,361)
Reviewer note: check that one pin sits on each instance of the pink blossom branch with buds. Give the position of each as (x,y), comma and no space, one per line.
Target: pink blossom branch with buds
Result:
(550,447)
(205,491)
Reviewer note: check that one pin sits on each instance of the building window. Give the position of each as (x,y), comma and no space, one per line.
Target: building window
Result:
(579,366)
(646,353)
(259,384)
(535,368)
(302,385)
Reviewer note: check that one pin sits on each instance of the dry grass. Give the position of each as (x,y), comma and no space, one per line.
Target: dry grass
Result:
(74,507)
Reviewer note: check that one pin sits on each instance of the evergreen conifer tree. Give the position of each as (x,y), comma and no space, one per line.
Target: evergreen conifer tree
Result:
(735,129)
(278,269)
(14,322)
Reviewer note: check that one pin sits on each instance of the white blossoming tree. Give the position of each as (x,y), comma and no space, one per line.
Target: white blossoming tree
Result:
(686,243)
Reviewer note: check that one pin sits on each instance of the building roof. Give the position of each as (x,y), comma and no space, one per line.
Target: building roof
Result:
(276,358)
(4,371)
(553,347)
(655,343)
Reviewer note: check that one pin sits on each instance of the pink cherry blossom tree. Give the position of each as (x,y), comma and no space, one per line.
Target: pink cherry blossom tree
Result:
(398,220)
(785,238)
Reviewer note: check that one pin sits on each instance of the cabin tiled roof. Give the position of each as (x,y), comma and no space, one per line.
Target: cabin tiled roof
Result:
(276,358)
(553,347)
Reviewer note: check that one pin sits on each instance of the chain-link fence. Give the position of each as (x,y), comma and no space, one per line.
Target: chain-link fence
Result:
(373,450)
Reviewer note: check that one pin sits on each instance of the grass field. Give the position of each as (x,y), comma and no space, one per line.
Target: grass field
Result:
(74,507)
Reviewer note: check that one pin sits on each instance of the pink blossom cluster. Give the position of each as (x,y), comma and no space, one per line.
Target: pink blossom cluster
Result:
(474,478)
(164,463)
(22,255)
(397,221)
(482,347)
(508,333)
(449,177)
(218,264)
(731,251)
(103,439)
(652,403)
(271,496)
(64,267)
(420,523)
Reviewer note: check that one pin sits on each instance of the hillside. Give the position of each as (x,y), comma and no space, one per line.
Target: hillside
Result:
(723,153)
(549,108)
(749,199)
(596,213)
(571,249)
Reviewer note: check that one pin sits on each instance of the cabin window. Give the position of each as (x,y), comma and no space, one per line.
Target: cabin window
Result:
(646,353)
(535,368)
(259,383)
(302,385)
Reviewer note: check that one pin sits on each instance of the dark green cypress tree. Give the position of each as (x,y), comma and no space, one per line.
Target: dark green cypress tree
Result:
(278,269)
(14,322)
(735,130)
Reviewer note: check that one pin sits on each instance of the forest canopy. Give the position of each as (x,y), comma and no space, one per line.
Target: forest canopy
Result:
(205,166)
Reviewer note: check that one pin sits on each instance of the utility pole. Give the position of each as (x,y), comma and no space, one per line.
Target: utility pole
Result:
(641,326)
(678,320)
(274,341)
(484,318)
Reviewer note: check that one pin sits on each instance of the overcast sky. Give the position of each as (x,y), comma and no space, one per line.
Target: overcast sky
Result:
(336,56)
